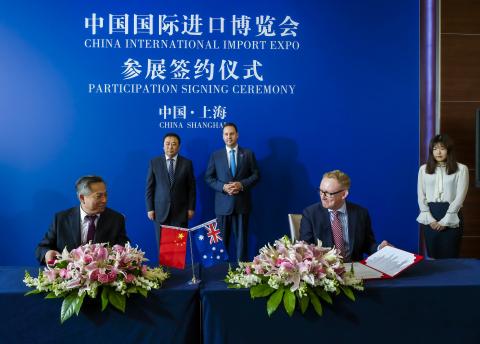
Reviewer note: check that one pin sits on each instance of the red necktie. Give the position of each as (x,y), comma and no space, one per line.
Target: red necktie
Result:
(337,233)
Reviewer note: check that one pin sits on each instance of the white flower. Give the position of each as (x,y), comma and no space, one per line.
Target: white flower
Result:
(301,267)
(87,268)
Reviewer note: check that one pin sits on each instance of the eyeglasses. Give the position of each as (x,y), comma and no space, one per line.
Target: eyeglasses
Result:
(328,194)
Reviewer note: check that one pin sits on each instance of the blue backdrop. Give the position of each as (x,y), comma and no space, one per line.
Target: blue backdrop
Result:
(333,85)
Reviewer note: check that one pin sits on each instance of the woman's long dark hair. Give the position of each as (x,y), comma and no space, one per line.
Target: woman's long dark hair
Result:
(451,162)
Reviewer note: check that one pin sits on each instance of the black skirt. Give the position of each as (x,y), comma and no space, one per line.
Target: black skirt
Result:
(444,243)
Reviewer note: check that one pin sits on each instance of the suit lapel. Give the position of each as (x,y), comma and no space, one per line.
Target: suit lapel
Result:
(352,220)
(224,161)
(328,227)
(101,224)
(164,172)
(240,158)
(178,168)
(76,228)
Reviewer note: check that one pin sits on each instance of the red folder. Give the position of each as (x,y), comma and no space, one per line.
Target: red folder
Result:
(386,263)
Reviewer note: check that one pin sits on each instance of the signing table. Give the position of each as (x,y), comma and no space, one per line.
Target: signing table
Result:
(432,302)
(169,315)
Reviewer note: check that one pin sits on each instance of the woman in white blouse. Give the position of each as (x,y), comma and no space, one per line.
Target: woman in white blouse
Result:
(442,187)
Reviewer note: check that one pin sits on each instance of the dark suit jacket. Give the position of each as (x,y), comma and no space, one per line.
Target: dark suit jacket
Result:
(65,231)
(316,224)
(218,174)
(172,201)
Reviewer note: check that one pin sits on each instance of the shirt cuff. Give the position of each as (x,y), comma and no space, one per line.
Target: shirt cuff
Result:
(450,220)
(425,218)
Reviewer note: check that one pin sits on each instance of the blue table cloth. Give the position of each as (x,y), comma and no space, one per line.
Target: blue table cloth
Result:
(432,302)
(169,315)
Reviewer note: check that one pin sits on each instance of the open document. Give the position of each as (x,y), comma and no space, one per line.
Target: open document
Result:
(385,263)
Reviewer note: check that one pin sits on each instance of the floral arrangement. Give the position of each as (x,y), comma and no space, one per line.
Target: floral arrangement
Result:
(114,272)
(295,272)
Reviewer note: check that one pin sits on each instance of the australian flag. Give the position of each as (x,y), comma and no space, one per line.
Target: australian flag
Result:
(209,243)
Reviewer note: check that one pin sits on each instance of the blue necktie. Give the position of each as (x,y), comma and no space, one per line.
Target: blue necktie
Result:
(233,166)
(171,172)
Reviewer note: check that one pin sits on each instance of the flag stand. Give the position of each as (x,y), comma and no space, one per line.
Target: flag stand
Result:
(194,280)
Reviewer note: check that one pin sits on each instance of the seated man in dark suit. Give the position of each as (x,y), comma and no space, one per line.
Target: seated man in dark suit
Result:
(91,221)
(339,223)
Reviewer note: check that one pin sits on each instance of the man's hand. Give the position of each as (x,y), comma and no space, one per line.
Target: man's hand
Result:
(228,188)
(50,256)
(237,187)
(232,188)
(151,215)
(383,244)
(190,214)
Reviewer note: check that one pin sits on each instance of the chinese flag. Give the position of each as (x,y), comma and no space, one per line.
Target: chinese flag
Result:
(173,247)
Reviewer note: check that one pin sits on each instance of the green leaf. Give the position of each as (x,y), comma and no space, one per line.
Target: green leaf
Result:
(132,290)
(315,302)
(52,295)
(274,301)
(69,305)
(104,297)
(61,265)
(289,301)
(304,302)
(32,292)
(143,292)
(79,304)
(324,295)
(261,290)
(117,300)
(348,292)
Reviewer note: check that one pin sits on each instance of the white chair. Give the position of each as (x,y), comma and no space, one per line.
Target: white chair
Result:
(294,222)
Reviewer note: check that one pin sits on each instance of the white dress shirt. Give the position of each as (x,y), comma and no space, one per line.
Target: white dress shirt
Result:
(174,162)
(442,187)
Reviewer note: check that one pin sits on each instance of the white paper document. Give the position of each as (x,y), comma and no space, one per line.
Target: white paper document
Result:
(363,272)
(385,263)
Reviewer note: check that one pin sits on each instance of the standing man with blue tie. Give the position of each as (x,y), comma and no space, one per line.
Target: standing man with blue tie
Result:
(339,223)
(170,188)
(232,172)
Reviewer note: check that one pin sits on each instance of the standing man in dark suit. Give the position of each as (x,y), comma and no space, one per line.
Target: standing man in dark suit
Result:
(91,221)
(170,189)
(339,223)
(232,172)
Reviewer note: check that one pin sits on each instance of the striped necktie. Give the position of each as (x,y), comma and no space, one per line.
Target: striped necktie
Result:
(337,232)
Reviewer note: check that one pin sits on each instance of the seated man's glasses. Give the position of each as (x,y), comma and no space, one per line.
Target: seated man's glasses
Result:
(328,194)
